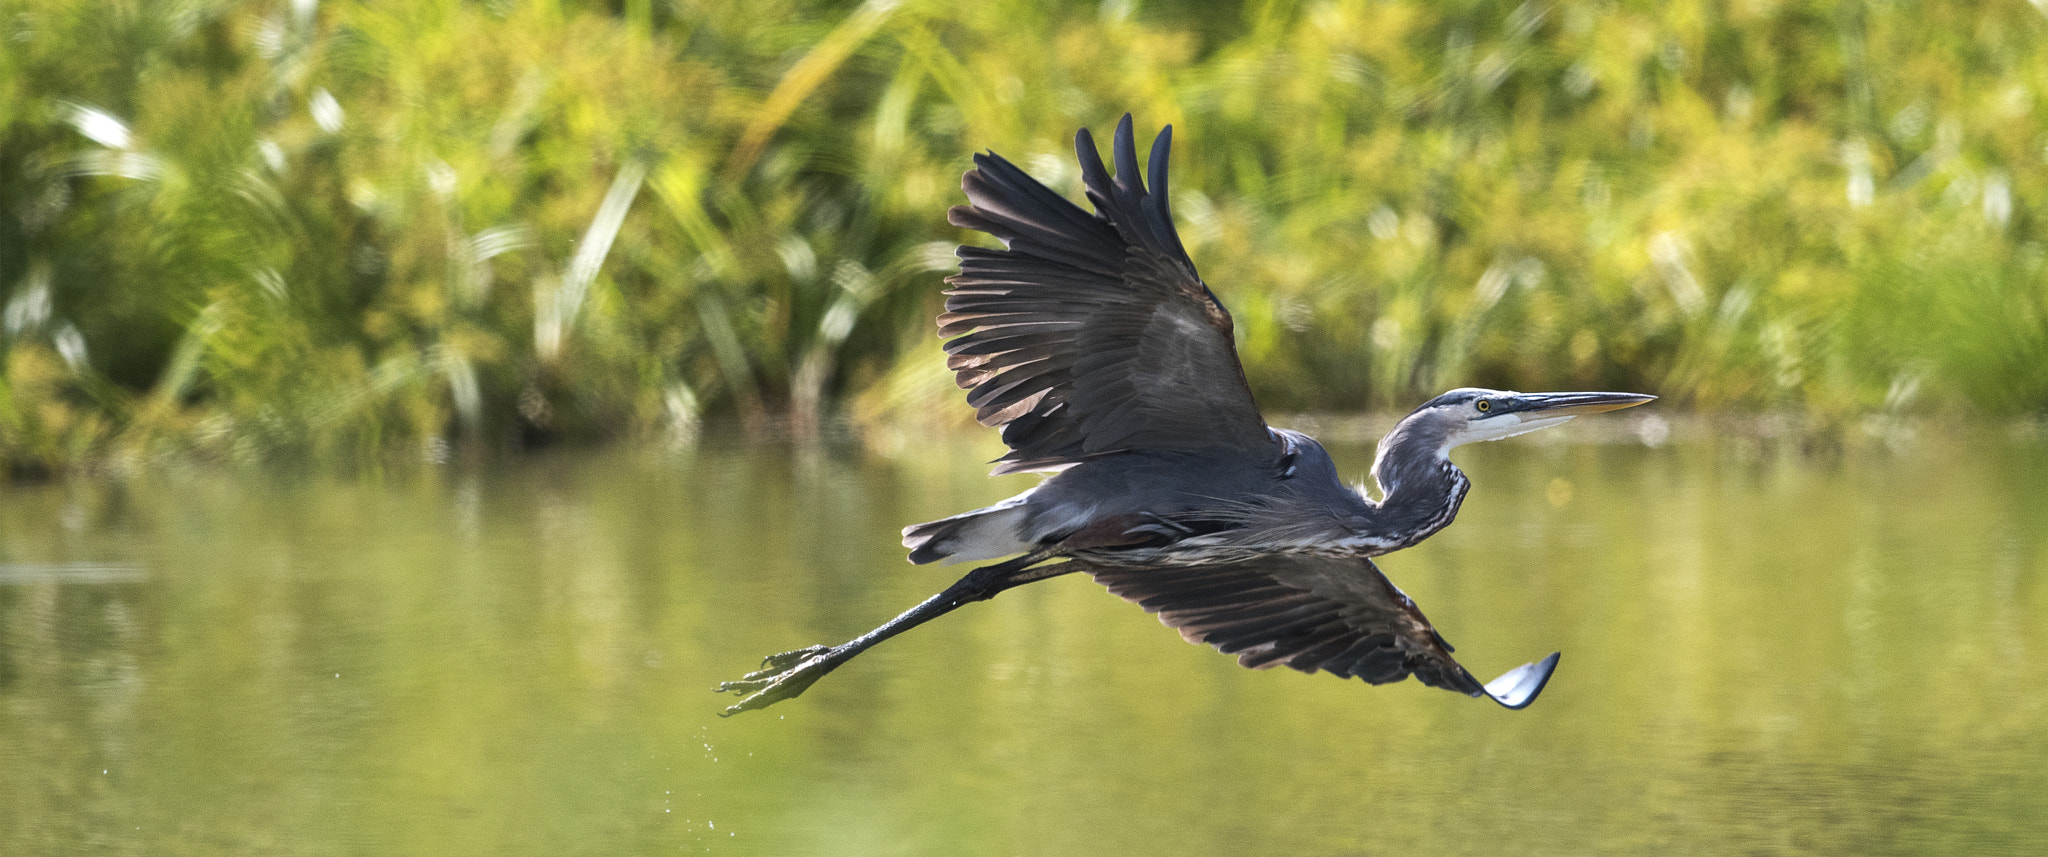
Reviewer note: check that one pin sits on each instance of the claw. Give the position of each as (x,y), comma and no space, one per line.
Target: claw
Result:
(783,676)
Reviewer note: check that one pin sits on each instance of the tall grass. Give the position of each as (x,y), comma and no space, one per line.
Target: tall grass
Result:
(244,229)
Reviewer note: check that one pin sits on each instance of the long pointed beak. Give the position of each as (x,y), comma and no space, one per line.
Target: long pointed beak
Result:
(1573,404)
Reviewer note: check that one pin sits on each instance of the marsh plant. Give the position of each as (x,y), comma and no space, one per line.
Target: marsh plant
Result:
(348,231)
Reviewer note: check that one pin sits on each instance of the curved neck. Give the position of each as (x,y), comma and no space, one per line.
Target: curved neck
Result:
(1420,489)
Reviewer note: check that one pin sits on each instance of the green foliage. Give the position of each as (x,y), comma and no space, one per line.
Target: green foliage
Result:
(249,228)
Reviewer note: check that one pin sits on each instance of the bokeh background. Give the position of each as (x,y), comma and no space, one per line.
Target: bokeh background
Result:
(347,231)
(393,399)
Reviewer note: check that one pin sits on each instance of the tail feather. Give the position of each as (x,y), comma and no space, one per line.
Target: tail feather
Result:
(977,535)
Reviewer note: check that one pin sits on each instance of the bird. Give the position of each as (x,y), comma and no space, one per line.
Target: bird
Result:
(1104,359)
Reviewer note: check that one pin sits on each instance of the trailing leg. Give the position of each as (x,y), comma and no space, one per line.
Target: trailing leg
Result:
(788,674)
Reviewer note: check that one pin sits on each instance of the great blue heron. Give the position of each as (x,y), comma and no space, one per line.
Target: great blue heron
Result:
(1091,342)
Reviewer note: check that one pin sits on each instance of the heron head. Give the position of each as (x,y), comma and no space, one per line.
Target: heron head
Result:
(1469,414)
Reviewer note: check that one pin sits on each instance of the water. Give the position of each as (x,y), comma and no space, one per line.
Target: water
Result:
(1767,650)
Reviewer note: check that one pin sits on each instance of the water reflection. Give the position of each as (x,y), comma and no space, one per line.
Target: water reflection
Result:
(1766,651)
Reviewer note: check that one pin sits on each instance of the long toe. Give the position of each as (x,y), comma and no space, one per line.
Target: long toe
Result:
(741,686)
(784,660)
(788,675)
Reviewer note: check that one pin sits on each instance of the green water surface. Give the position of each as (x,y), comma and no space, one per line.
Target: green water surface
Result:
(1768,649)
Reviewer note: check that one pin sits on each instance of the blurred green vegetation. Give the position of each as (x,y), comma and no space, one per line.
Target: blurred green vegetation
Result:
(347,230)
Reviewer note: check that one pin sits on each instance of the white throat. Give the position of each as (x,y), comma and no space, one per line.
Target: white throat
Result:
(1503,426)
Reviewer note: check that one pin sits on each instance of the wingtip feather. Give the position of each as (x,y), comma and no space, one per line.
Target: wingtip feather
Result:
(1518,687)
(1125,150)
(1155,170)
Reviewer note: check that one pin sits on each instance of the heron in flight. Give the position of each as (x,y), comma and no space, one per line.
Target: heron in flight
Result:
(1090,341)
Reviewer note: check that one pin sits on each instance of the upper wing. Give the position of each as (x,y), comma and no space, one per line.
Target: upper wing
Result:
(1338,615)
(1090,334)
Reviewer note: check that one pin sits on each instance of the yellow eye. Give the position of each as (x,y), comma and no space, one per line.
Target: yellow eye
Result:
(1483,406)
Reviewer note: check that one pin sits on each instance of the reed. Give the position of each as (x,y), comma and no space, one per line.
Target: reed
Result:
(350,230)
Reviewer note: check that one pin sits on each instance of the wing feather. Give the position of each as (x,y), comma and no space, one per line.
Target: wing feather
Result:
(1090,334)
(1308,613)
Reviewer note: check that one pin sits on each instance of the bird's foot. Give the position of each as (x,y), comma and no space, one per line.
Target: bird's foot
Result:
(781,676)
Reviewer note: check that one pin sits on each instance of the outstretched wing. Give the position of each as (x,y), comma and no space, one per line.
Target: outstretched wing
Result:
(1090,334)
(1337,615)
